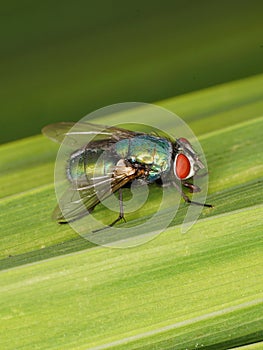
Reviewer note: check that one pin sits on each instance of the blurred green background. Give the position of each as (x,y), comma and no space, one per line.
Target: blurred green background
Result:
(61,60)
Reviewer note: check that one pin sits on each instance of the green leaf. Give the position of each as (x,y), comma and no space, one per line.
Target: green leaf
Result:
(203,289)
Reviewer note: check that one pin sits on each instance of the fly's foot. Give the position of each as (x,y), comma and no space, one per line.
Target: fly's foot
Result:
(188,200)
(119,218)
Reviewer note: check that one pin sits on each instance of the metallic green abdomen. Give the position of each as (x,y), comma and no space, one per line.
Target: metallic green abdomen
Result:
(84,165)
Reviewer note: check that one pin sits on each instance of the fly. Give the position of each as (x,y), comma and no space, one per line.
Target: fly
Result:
(113,159)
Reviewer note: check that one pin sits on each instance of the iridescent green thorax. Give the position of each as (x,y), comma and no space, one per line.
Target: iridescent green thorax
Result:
(147,150)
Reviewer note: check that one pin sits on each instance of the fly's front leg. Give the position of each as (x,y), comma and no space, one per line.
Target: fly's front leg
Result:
(192,188)
(121,215)
(188,200)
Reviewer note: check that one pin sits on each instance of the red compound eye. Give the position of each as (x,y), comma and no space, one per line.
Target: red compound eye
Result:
(182,166)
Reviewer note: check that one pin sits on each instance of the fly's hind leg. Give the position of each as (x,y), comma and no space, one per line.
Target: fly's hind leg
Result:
(121,214)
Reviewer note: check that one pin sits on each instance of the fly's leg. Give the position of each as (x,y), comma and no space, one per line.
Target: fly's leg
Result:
(188,200)
(192,188)
(121,215)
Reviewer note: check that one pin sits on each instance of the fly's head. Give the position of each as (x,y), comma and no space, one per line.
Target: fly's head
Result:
(186,161)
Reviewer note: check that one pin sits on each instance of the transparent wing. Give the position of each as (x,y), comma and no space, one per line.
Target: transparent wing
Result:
(80,201)
(76,135)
